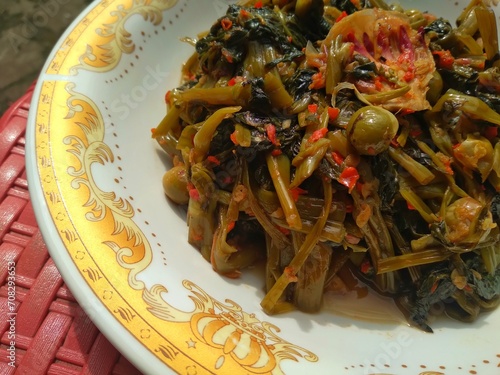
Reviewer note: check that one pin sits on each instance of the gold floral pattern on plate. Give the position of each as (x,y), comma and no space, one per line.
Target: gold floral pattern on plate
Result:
(106,26)
(251,343)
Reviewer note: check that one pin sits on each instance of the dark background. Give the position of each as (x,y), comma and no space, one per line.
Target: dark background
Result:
(28,31)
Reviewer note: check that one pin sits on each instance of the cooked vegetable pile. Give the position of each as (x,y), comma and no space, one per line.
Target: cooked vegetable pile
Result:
(333,138)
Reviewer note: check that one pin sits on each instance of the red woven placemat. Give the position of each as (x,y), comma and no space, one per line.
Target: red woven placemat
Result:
(43,330)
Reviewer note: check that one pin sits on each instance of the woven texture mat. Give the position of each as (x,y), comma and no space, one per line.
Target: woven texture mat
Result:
(43,330)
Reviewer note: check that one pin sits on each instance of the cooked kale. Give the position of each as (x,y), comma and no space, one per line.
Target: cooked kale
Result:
(492,99)
(384,170)
(298,84)
(259,101)
(438,29)
(228,39)
(365,71)
(437,287)
(461,78)
(221,140)
(495,208)
(345,5)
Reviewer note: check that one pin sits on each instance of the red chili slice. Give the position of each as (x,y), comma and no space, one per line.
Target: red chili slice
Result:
(349,177)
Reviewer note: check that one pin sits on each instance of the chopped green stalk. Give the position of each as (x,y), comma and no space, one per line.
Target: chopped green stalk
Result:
(185,141)
(334,231)
(465,13)
(168,143)
(415,201)
(339,142)
(279,238)
(380,4)
(494,180)
(272,262)
(308,293)
(412,260)
(220,245)
(434,191)
(385,96)
(417,170)
(273,87)
(378,226)
(371,223)
(203,180)
(255,61)
(279,169)
(470,43)
(416,19)
(201,226)
(425,242)
(310,151)
(204,136)
(169,123)
(307,167)
(303,7)
(442,168)
(435,159)
(299,106)
(190,66)
(440,137)
(333,71)
(332,13)
(237,95)
(402,243)
(474,107)
(496,159)
(242,135)
(491,258)
(222,196)
(486,20)
(338,53)
(225,258)
(469,23)
(271,55)
(403,136)
(290,273)
(494,177)
(267,199)
(310,209)
(447,199)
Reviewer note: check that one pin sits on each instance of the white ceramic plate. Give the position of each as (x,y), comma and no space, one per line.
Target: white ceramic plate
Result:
(94,175)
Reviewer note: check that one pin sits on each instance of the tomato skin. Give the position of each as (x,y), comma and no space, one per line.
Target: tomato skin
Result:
(387,39)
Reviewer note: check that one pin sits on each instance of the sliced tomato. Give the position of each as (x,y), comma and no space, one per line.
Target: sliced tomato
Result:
(386,38)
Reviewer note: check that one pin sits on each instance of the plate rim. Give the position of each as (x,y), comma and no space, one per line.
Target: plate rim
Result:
(131,348)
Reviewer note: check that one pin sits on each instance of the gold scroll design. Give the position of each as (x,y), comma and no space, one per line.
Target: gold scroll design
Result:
(112,40)
(91,149)
(253,344)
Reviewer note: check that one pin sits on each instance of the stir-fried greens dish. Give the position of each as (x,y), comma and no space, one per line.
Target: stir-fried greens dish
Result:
(343,137)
